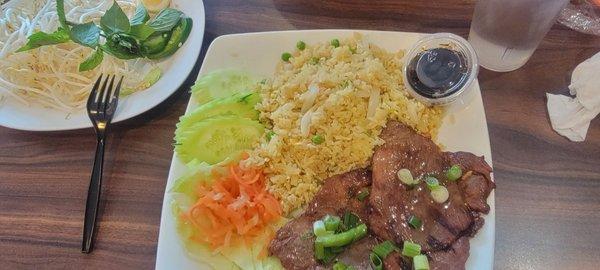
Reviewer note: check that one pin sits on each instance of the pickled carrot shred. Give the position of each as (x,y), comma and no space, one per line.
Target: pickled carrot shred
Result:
(234,209)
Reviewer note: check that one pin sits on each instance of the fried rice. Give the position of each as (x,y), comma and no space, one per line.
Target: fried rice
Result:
(325,108)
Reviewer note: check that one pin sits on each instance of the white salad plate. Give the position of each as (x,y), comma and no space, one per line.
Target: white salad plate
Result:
(176,68)
(464,127)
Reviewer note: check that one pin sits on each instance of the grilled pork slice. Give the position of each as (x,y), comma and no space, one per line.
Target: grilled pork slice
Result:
(454,257)
(294,242)
(443,224)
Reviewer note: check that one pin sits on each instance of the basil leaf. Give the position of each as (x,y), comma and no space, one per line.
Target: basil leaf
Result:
(40,39)
(60,10)
(141,31)
(92,61)
(115,20)
(140,16)
(87,34)
(165,20)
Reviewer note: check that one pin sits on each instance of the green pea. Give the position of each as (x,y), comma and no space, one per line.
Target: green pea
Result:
(314,60)
(286,56)
(335,43)
(301,45)
(318,139)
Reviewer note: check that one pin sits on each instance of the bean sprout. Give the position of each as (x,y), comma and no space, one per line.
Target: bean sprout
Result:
(49,76)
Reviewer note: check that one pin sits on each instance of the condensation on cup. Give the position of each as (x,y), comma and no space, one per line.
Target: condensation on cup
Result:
(505,33)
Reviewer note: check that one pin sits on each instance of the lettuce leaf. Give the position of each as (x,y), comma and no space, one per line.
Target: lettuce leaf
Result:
(198,251)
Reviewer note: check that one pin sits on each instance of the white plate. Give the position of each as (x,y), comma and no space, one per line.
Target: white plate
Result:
(464,128)
(14,114)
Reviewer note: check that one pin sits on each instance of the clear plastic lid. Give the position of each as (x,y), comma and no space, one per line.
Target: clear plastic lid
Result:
(440,68)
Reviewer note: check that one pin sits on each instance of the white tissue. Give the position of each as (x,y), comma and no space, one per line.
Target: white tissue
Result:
(571,117)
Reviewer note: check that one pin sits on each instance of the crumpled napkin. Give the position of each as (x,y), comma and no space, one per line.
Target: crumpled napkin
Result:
(571,117)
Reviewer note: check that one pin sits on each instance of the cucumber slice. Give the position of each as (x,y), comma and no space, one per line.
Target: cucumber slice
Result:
(220,84)
(241,104)
(215,139)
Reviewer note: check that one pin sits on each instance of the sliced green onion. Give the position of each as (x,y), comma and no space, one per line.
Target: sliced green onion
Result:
(301,45)
(432,182)
(337,250)
(329,256)
(319,228)
(318,139)
(349,221)
(384,249)
(415,222)
(340,266)
(363,194)
(343,238)
(440,194)
(314,60)
(270,135)
(335,43)
(332,223)
(405,176)
(454,173)
(376,262)
(420,262)
(286,56)
(319,251)
(411,249)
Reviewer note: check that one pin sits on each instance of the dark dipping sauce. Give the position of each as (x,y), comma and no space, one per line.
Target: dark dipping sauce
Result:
(437,73)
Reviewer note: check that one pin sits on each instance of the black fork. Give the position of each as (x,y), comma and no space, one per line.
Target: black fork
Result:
(101,106)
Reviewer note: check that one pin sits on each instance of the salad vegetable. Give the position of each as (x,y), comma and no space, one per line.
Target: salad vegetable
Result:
(219,84)
(217,138)
(119,36)
(239,256)
(225,213)
(241,105)
(224,125)
(236,204)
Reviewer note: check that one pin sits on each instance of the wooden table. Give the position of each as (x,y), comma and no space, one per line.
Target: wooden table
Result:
(547,199)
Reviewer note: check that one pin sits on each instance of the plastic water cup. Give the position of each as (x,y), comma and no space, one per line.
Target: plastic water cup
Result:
(505,33)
